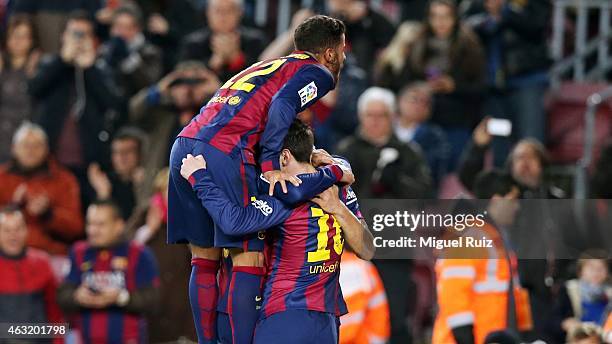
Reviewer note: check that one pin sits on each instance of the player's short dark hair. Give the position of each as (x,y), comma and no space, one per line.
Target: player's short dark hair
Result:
(318,33)
(110,204)
(494,182)
(299,141)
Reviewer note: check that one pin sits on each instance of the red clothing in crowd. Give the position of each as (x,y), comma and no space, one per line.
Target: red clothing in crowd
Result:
(62,224)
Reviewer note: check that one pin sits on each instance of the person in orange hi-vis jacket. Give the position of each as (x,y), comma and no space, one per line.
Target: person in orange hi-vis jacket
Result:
(367,321)
(473,285)
(607,330)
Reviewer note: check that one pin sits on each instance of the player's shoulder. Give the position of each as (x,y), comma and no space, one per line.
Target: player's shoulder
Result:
(302,62)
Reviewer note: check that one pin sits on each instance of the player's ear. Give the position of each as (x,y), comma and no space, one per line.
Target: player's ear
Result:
(285,157)
(330,55)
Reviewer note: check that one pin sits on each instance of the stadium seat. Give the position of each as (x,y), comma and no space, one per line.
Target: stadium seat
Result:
(566,110)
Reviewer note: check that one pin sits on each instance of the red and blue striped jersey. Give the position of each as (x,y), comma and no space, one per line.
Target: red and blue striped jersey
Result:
(251,113)
(125,266)
(308,243)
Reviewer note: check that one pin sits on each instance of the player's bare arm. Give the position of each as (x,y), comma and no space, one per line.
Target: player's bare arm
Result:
(356,232)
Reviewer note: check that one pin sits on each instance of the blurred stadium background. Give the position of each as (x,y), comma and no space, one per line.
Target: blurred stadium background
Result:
(89,112)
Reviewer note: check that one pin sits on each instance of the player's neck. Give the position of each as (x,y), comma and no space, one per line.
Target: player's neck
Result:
(300,168)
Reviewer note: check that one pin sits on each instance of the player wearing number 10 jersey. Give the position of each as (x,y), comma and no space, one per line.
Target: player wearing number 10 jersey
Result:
(240,130)
(302,299)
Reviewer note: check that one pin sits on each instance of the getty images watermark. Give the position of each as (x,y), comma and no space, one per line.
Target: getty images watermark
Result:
(471,228)
(409,222)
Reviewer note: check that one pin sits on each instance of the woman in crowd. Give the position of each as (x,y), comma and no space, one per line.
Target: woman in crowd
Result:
(391,70)
(450,59)
(18,62)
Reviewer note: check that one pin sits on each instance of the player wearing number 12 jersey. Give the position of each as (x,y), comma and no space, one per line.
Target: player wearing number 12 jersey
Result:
(240,130)
(302,299)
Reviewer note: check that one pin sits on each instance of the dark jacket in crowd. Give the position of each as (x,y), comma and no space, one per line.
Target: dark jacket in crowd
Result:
(15,106)
(460,108)
(473,162)
(601,184)
(516,45)
(50,17)
(55,92)
(406,176)
(367,37)
(134,66)
(27,290)
(159,118)
(435,148)
(196,46)
(123,194)
(334,124)
(183,18)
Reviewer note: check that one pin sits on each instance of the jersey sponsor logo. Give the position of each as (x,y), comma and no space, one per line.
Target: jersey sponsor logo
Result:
(101,280)
(262,206)
(350,194)
(324,268)
(235,100)
(119,263)
(308,93)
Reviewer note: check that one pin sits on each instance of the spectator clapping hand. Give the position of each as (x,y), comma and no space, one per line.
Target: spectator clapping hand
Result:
(158,25)
(480,135)
(442,84)
(99,181)
(38,205)
(98,300)
(225,48)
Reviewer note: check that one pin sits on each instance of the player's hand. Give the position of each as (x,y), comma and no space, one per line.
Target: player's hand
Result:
(280,177)
(320,157)
(192,164)
(329,200)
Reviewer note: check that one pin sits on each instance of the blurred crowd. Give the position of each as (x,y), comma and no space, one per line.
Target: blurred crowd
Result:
(93,93)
